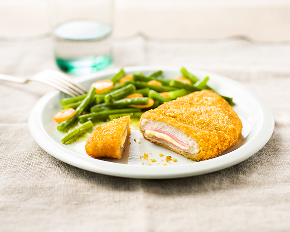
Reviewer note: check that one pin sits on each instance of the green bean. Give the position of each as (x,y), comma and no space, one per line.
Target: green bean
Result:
(228,99)
(98,115)
(147,79)
(119,94)
(101,109)
(123,103)
(76,133)
(202,83)
(199,85)
(178,93)
(143,91)
(182,85)
(141,84)
(189,76)
(80,109)
(137,77)
(163,82)
(73,105)
(156,96)
(156,74)
(119,86)
(71,100)
(92,103)
(131,101)
(209,88)
(100,99)
(133,115)
(118,76)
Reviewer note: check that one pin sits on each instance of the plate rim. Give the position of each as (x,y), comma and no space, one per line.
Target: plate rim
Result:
(156,172)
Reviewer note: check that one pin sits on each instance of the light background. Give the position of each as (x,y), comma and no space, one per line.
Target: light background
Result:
(261,20)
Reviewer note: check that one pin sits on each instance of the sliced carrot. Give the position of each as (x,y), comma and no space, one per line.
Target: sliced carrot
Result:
(151,103)
(64,115)
(135,95)
(182,79)
(103,85)
(153,82)
(165,94)
(126,78)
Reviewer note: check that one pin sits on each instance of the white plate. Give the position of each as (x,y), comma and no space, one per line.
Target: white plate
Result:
(249,106)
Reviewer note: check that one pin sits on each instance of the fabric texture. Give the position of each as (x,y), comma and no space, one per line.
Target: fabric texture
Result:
(41,193)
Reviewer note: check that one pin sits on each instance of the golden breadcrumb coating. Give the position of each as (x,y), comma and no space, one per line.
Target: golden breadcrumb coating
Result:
(110,139)
(205,117)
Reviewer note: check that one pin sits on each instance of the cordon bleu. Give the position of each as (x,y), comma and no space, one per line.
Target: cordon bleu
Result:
(199,126)
(109,140)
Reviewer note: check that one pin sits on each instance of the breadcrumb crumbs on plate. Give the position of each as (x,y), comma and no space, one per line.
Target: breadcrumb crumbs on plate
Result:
(145,156)
(174,160)
(161,155)
(139,142)
(158,163)
(142,163)
(148,164)
(134,140)
(161,160)
(164,164)
(153,160)
(168,158)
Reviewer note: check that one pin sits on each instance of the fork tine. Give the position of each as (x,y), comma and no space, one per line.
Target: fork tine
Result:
(67,79)
(45,81)
(58,83)
(64,82)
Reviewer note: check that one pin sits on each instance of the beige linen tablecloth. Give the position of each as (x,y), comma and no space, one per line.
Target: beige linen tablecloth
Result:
(41,193)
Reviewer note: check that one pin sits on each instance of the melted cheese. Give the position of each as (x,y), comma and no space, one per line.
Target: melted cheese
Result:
(151,133)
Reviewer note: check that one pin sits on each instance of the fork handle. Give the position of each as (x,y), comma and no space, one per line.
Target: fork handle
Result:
(12,79)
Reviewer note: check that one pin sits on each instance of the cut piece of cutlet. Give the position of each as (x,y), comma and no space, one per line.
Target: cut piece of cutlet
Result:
(109,140)
(199,126)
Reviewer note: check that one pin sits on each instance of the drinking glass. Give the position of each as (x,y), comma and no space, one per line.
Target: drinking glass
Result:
(82,34)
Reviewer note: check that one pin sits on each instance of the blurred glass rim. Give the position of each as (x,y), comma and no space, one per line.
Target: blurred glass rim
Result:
(87,30)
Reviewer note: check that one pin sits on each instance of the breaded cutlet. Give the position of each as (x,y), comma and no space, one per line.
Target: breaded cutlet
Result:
(199,126)
(109,140)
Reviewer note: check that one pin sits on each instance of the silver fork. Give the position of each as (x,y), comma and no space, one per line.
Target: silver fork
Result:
(52,78)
